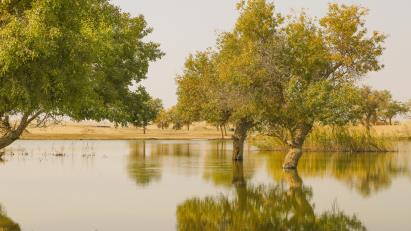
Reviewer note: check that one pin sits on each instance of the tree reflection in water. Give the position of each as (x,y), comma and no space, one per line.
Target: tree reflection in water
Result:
(367,173)
(262,208)
(6,224)
(145,159)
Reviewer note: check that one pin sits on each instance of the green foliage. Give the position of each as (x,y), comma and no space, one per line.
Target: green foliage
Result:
(163,119)
(317,65)
(71,57)
(143,109)
(374,106)
(6,223)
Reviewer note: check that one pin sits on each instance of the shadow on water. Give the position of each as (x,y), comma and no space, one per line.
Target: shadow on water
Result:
(367,173)
(7,224)
(262,207)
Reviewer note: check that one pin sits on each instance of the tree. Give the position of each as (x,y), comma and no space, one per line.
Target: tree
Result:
(163,119)
(175,118)
(200,94)
(229,78)
(6,223)
(68,57)
(143,109)
(371,105)
(316,64)
(392,109)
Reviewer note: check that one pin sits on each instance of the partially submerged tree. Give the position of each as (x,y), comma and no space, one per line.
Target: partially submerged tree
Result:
(68,57)
(317,64)
(228,80)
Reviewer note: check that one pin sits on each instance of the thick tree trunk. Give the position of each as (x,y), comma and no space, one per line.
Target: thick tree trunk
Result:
(296,146)
(390,119)
(293,156)
(239,137)
(13,134)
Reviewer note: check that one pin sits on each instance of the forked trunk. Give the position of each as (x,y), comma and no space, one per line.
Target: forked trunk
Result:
(296,145)
(239,137)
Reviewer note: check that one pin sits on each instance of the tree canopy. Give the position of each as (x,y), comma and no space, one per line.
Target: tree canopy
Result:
(69,57)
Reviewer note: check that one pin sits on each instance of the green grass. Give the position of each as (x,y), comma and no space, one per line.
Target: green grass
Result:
(337,139)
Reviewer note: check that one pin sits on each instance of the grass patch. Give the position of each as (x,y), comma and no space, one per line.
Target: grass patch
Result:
(335,139)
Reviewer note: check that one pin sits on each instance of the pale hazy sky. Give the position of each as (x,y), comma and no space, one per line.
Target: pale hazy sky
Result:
(185,26)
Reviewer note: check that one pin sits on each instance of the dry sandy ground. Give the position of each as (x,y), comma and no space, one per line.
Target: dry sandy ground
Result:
(106,131)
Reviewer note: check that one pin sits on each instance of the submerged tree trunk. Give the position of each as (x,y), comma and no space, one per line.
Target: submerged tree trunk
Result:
(293,156)
(239,137)
(296,146)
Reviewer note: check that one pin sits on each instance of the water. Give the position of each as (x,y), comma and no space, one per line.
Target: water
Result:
(193,185)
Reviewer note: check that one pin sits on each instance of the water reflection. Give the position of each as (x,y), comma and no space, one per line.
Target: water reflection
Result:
(145,162)
(219,168)
(367,173)
(262,207)
(6,224)
(144,165)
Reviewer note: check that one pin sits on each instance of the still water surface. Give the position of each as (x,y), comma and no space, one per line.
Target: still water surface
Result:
(193,185)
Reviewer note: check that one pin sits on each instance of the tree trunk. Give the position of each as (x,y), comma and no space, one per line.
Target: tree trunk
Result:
(13,134)
(188,127)
(296,146)
(222,133)
(293,156)
(390,119)
(225,129)
(239,137)
(144,129)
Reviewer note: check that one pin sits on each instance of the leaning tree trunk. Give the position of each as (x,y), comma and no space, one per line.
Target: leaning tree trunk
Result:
(296,146)
(293,156)
(239,137)
(13,134)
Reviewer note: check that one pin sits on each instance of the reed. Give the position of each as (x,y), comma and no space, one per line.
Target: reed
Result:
(335,139)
